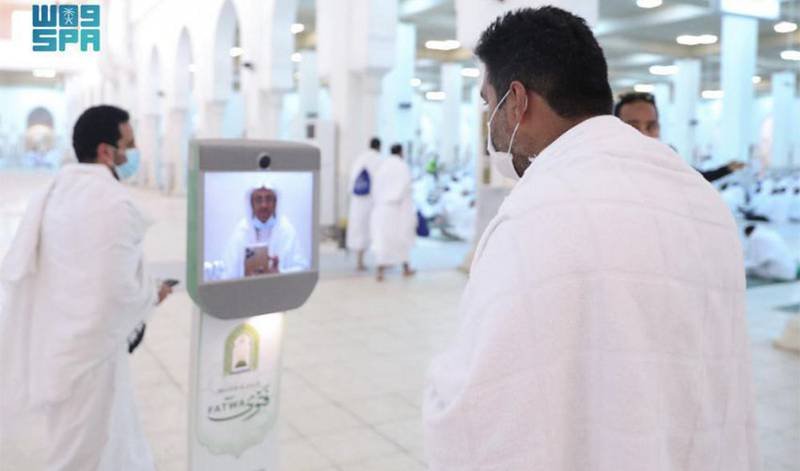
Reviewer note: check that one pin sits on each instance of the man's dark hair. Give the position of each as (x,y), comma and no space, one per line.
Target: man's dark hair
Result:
(98,124)
(397,149)
(633,97)
(375,143)
(553,53)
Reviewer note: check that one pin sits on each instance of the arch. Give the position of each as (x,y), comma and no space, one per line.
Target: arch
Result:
(179,128)
(278,44)
(225,38)
(184,80)
(40,116)
(153,88)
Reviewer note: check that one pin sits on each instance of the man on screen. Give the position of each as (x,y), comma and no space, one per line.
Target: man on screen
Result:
(264,242)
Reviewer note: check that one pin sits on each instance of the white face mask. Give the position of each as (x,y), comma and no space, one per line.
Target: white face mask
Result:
(503,162)
(263,229)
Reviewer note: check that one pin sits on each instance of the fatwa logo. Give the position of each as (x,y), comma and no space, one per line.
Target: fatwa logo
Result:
(241,350)
(57,26)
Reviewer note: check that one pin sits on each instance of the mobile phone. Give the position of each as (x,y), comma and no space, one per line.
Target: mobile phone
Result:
(171,282)
(135,338)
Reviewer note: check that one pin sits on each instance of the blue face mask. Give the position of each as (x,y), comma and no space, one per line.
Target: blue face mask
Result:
(263,226)
(129,168)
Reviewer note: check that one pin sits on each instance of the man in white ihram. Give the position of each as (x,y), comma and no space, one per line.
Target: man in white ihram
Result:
(603,324)
(394,220)
(264,227)
(768,256)
(362,178)
(75,286)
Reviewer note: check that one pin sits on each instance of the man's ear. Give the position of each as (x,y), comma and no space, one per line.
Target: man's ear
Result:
(521,100)
(103,156)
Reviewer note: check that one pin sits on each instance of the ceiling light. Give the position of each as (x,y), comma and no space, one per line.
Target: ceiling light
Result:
(297,28)
(644,88)
(648,3)
(447,45)
(44,73)
(471,72)
(236,51)
(712,94)
(785,27)
(756,79)
(706,39)
(297,57)
(790,55)
(435,96)
(415,82)
(663,69)
(692,40)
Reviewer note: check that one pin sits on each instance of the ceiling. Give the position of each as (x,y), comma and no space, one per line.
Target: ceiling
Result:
(632,38)
(24,78)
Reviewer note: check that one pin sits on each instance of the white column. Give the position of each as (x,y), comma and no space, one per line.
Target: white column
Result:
(479,144)
(250,93)
(149,143)
(176,150)
(308,86)
(272,104)
(395,120)
(361,93)
(738,56)
(796,136)
(406,58)
(662,94)
(687,91)
(263,111)
(783,99)
(450,132)
(268,106)
(213,115)
(364,98)
(355,50)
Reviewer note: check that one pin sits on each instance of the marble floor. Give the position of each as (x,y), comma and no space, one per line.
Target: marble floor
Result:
(353,363)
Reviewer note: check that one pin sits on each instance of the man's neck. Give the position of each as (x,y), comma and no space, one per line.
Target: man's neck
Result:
(96,163)
(560,127)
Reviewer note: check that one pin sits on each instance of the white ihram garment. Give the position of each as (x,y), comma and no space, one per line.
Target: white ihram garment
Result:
(766,255)
(603,325)
(360,210)
(394,219)
(75,287)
